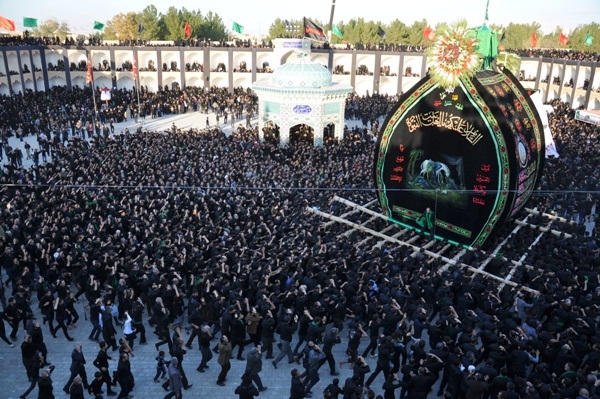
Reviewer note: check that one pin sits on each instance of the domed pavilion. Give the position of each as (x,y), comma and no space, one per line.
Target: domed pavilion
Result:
(300,92)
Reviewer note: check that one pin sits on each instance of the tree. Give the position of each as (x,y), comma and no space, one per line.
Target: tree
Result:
(577,38)
(278,28)
(397,32)
(212,27)
(149,18)
(52,27)
(415,33)
(122,27)
(173,23)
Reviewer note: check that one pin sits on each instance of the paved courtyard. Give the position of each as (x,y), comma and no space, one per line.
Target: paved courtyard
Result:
(13,380)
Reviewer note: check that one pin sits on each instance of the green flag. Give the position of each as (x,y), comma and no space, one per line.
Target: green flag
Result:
(98,25)
(336,31)
(237,28)
(588,39)
(30,22)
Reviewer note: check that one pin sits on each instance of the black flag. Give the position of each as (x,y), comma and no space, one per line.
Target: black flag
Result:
(313,31)
(380,32)
(140,27)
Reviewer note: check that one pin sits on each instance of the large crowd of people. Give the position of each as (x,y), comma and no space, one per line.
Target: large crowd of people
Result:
(200,230)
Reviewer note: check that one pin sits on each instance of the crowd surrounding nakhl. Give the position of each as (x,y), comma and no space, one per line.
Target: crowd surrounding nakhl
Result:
(204,238)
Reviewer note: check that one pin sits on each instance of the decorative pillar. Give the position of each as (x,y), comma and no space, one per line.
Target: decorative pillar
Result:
(318,126)
(261,121)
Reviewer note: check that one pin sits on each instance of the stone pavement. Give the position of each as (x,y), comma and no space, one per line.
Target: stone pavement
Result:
(13,379)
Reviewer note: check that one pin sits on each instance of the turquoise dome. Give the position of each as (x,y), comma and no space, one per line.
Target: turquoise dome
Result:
(301,73)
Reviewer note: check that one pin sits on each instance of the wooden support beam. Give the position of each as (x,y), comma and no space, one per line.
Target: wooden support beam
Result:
(544,229)
(327,224)
(550,216)
(415,248)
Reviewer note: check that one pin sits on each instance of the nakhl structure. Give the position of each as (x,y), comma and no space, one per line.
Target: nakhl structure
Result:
(466,141)
(300,92)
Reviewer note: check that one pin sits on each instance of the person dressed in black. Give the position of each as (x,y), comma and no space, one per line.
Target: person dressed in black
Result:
(224,359)
(101,362)
(45,387)
(3,331)
(333,390)
(12,316)
(137,320)
(179,351)
(76,391)
(390,385)
(329,340)
(60,309)
(386,349)
(28,356)
(205,338)
(108,328)
(35,375)
(77,368)
(246,390)
(254,367)
(297,387)
(286,330)
(124,376)
(267,336)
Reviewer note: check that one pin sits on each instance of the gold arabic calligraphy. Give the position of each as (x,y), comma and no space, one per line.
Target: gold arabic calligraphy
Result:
(445,120)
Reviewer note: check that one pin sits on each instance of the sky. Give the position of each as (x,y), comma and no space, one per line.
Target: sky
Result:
(257,15)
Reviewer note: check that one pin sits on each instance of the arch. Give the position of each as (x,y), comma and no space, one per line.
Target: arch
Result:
(78,81)
(13,61)
(4,89)
(329,132)
(150,82)
(246,57)
(578,102)
(28,84)
(289,57)
(2,70)
(40,83)
(362,84)
(170,81)
(76,56)
(388,86)
(412,66)
(566,97)
(17,87)
(584,74)
(322,59)
(366,59)
(26,60)
(36,59)
(194,56)
(121,57)
(243,81)
(218,81)
(125,82)
(270,132)
(52,57)
(99,58)
(195,82)
(145,58)
(102,81)
(56,80)
(217,58)
(302,132)
(266,57)
(170,57)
